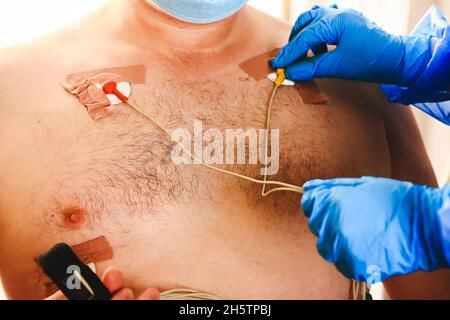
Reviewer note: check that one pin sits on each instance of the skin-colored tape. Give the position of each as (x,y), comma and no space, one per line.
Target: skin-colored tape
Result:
(135,74)
(95,250)
(87,86)
(310,93)
(258,68)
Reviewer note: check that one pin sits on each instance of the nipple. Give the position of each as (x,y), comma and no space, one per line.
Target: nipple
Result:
(74,217)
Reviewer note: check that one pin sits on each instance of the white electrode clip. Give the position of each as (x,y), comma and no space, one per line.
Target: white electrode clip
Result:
(273,77)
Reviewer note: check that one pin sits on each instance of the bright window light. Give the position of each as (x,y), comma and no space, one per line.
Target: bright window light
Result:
(24,20)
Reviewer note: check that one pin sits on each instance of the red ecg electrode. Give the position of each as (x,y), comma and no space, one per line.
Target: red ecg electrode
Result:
(110,87)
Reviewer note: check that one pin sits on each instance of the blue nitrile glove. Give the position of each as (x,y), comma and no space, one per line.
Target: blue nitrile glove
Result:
(364,51)
(431,91)
(374,228)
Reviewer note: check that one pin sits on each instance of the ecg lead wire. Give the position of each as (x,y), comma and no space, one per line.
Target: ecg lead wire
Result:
(110,87)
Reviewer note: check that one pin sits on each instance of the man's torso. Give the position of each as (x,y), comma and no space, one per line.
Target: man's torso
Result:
(236,243)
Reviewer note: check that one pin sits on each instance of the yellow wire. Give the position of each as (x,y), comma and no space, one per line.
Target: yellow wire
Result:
(278,83)
(269,111)
(281,186)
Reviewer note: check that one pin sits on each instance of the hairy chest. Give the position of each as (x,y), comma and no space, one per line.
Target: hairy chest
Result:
(127,159)
(125,164)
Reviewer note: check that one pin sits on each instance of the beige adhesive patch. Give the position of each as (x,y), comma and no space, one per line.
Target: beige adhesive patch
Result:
(95,250)
(258,68)
(87,86)
(310,93)
(135,74)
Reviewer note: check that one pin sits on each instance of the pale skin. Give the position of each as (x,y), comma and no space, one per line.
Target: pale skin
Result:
(184,226)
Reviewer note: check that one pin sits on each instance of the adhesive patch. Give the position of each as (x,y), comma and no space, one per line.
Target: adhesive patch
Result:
(95,250)
(258,68)
(88,87)
(135,74)
(310,93)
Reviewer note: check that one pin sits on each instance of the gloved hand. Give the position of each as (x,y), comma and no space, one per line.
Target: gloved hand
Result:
(374,228)
(364,51)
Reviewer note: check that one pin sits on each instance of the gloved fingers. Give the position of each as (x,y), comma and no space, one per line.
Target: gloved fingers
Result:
(379,179)
(332,6)
(338,182)
(311,184)
(325,249)
(303,70)
(329,244)
(298,48)
(303,21)
(346,267)
(315,203)
(335,250)
(308,17)
(308,203)
(386,183)
(316,199)
(309,68)
(322,215)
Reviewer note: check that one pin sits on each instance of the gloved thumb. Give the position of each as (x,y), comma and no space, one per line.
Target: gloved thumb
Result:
(320,66)
(311,37)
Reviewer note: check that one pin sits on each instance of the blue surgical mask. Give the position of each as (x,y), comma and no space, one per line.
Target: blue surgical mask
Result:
(200,11)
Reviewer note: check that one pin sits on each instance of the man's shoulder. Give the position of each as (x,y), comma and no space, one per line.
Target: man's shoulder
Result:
(27,70)
(18,61)
(38,53)
(271,28)
(30,61)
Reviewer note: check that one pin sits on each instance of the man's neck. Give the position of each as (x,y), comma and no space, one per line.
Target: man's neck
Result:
(149,27)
